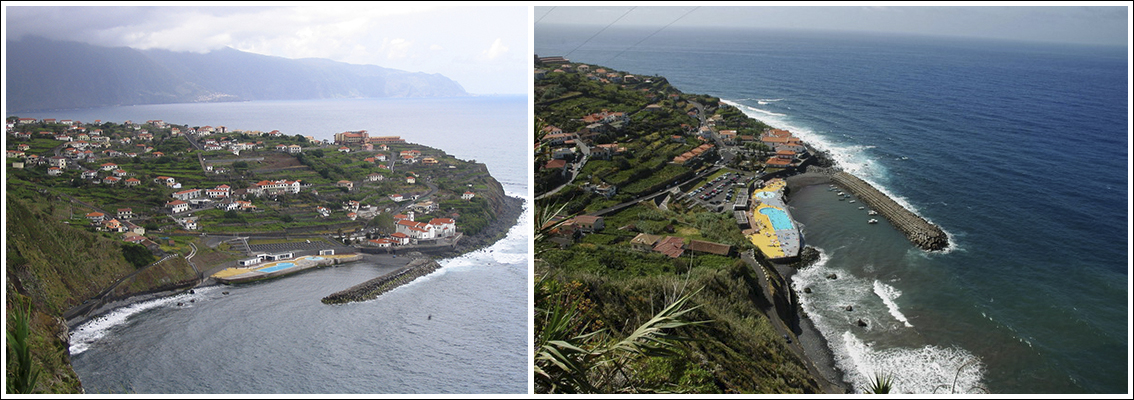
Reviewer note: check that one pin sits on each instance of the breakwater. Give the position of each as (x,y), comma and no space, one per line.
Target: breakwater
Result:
(373,288)
(922,233)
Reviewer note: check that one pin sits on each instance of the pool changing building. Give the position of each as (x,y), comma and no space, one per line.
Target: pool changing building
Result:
(773,231)
(266,257)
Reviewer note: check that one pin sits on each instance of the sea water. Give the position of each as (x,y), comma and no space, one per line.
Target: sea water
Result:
(1019,151)
(461,329)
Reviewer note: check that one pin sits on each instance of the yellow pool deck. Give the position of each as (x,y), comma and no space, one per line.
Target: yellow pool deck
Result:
(301,263)
(765,237)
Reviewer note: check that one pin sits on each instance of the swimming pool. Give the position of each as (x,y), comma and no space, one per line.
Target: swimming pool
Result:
(277,267)
(312,258)
(766,195)
(780,219)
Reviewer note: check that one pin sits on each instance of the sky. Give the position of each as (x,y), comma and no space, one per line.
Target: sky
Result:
(484,48)
(1103,23)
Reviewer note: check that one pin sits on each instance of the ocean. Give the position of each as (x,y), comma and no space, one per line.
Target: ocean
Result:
(460,330)
(1019,151)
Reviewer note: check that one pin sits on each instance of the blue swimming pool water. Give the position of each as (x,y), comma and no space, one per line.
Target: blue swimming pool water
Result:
(780,220)
(277,267)
(765,195)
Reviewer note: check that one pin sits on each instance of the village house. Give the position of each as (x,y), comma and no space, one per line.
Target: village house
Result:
(133,182)
(185,195)
(467,196)
(671,246)
(416,230)
(96,217)
(282,186)
(444,227)
(177,206)
(125,213)
(587,223)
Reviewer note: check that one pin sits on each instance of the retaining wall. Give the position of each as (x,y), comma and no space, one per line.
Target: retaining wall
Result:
(922,233)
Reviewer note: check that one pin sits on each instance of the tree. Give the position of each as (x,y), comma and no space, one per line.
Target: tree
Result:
(384,222)
(137,255)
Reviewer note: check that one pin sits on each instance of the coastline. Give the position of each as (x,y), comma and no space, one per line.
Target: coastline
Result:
(494,232)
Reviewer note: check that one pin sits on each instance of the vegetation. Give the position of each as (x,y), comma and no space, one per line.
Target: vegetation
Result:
(596,288)
(22,374)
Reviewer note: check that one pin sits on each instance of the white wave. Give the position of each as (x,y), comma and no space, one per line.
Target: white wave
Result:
(914,370)
(851,158)
(750,108)
(888,293)
(90,332)
(924,370)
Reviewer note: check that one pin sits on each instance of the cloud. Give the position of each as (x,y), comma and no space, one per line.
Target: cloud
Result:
(406,36)
(396,48)
(494,51)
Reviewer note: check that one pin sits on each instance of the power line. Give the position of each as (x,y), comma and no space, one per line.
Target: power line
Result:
(544,15)
(600,31)
(652,34)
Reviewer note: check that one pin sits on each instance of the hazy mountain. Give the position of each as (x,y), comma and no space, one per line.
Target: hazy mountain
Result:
(45,74)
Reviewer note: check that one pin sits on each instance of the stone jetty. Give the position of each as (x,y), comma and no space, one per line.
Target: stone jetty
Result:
(373,288)
(925,235)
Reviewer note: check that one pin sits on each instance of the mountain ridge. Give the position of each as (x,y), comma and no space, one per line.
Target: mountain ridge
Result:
(44,74)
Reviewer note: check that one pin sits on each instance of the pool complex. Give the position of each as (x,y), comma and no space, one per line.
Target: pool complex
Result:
(780,219)
(285,265)
(277,267)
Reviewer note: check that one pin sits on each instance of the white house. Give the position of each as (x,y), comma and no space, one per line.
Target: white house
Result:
(416,230)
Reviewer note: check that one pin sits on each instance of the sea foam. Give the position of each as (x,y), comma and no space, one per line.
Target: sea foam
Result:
(888,293)
(925,370)
(90,332)
(851,158)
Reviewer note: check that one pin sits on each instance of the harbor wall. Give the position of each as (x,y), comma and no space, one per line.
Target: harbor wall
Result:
(922,233)
(373,288)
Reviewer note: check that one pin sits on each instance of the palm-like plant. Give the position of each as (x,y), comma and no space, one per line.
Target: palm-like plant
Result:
(880,384)
(18,333)
(567,361)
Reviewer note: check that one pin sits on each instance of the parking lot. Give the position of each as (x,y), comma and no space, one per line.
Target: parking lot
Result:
(722,190)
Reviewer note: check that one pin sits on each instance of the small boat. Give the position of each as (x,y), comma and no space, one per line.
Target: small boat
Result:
(861,208)
(841,199)
(872,221)
(852,201)
(872,212)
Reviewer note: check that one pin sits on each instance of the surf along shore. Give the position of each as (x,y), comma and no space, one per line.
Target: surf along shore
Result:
(919,231)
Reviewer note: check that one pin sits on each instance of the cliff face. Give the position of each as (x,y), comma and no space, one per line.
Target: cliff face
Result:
(56,267)
(45,74)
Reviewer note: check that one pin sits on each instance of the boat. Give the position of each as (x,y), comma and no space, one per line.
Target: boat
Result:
(852,201)
(872,221)
(861,208)
(872,212)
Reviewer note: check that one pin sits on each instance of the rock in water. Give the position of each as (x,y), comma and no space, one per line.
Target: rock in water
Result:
(850,308)
(861,323)
(832,276)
